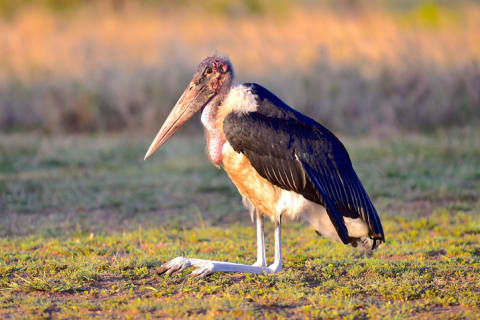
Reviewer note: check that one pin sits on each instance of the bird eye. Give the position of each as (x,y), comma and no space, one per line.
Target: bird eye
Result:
(208,70)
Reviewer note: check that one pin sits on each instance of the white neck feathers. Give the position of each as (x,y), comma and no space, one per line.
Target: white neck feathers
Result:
(240,99)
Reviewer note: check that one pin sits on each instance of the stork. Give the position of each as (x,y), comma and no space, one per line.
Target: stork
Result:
(283,163)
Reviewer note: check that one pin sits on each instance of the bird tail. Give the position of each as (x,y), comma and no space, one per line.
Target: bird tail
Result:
(365,243)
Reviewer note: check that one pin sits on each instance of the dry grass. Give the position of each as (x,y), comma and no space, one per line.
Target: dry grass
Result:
(39,40)
(122,70)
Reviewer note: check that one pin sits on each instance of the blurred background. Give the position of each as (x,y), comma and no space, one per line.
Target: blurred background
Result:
(85,85)
(376,67)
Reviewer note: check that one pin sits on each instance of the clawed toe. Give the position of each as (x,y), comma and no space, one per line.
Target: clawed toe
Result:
(174,266)
(203,271)
(179,264)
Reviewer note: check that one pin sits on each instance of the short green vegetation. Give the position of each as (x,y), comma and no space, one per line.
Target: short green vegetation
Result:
(85,223)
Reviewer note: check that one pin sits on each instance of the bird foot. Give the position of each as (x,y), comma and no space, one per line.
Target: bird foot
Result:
(174,266)
(204,268)
(274,268)
(259,263)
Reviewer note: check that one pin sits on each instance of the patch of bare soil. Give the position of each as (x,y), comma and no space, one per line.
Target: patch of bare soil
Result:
(445,312)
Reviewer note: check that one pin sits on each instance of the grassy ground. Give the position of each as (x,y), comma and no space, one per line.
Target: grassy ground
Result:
(85,223)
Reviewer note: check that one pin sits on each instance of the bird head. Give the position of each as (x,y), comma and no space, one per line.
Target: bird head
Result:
(210,83)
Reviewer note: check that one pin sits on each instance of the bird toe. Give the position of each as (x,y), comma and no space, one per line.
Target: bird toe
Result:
(174,266)
(203,270)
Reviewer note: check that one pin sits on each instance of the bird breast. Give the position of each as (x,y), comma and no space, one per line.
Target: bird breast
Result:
(268,198)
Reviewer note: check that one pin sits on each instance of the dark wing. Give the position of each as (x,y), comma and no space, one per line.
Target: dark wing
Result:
(295,153)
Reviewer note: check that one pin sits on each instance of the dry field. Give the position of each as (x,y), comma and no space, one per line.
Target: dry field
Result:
(364,70)
(294,38)
(86,222)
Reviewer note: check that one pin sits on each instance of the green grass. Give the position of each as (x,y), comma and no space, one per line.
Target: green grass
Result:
(85,222)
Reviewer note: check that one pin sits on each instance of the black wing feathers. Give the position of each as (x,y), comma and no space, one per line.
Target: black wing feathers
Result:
(334,215)
(296,153)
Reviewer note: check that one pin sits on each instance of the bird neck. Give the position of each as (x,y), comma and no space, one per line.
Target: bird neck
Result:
(215,138)
(210,112)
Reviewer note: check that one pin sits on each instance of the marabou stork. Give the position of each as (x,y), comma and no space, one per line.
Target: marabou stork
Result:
(282,162)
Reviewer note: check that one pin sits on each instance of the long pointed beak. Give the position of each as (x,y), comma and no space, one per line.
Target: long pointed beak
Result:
(192,100)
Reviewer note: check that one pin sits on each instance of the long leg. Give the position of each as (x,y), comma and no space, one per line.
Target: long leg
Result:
(276,266)
(206,267)
(261,259)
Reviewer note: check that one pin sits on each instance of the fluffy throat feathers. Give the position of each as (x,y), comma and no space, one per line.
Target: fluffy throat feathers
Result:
(238,99)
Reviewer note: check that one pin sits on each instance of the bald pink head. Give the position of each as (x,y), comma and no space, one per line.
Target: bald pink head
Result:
(211,81)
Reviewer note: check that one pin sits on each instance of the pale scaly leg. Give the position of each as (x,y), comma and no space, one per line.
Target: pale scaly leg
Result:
(205,267)
(276,266)
(261,259)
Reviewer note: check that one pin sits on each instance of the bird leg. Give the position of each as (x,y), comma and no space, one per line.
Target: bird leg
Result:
(204,268)
(261,259)
(276,266)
